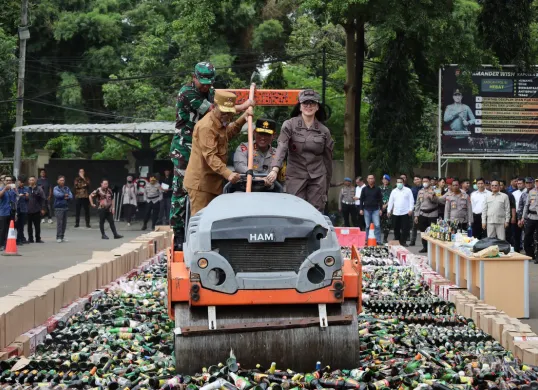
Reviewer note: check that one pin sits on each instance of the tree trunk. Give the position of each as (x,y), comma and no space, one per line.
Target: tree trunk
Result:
(359,72)
(349,137)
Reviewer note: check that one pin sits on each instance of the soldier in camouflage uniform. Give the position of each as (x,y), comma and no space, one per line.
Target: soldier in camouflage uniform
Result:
(385,219)
(193,102)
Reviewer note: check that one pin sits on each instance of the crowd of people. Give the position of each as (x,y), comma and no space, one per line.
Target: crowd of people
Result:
(484,208)
(32,201)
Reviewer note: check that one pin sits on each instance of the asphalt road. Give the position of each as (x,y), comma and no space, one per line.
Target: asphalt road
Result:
(37,260)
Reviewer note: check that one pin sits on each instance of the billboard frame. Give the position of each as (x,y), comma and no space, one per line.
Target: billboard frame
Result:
(443,159)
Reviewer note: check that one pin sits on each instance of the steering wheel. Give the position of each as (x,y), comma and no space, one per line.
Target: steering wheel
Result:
(258,185)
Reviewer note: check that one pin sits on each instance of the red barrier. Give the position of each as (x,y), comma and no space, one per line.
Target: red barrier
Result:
(348,236)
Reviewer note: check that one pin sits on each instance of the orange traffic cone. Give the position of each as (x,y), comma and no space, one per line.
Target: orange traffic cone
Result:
(371,236)
(11,244)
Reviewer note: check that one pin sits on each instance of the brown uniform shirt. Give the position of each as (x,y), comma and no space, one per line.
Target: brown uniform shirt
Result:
(458,207)
(309,150)
(207,164)
(427,203)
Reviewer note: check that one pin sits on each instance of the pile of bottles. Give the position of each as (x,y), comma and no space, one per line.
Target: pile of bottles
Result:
(372,256)
(409,340)
(444,230)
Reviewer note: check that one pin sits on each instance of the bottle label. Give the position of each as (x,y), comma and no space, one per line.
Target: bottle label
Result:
(381,384)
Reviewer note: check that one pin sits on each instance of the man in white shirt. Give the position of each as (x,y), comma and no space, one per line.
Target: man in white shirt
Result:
(478,199)
(357,198)
(401,205)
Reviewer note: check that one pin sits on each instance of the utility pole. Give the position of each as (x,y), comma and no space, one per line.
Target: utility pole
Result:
(359,71)
(323,75)
(24,35)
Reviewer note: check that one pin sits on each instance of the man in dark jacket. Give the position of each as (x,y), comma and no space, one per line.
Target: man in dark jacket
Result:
(36,208)
(62,196)
(371,206)
(417,181)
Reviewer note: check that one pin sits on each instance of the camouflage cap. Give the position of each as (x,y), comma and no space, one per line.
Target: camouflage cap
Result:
(225,101)
(309,94)
(204,72)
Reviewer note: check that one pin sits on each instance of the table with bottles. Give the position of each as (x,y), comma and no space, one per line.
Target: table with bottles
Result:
(499,281)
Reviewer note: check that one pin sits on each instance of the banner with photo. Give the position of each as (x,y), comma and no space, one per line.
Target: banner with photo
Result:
(500,119)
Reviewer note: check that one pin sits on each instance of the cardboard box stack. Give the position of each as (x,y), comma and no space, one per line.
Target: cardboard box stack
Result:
(29,313)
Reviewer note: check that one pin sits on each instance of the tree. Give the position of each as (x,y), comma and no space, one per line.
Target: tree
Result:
(505,27)
(8,68)
(396,115)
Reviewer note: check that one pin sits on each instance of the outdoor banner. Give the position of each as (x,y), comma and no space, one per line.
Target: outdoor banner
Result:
(500,118)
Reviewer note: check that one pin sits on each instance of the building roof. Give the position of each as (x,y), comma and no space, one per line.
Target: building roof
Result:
(117,128)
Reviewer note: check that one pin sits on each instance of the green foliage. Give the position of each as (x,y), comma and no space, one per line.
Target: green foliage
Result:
(268,37)
(505,28)
(125,60)
(396,115)
(8,63)
(114,150)
(65,146)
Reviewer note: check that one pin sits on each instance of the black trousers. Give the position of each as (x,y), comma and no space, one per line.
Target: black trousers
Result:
(19,225)
(531,226)
(517,237)
(106,215)
(129,211)
(423,224)
(360,219)
(509,233)
(34,220)
(401,227)
(4,229)
(82,202)
(478,232)
(350,210)
(152,208)
(413,230)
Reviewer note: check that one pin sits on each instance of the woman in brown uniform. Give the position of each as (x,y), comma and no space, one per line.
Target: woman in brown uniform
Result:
(309,147)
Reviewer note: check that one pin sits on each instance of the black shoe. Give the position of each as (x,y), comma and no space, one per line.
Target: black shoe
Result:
(412,243)
(77,225)
(144,227)
(30,241)
(423,250)
(117,236)
(404,245)
(40,241)
(104,237)
(88,226)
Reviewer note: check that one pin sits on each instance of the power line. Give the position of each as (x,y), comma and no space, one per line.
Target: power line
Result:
(91,79)
(91,112)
